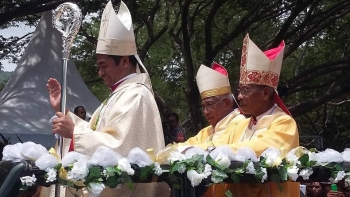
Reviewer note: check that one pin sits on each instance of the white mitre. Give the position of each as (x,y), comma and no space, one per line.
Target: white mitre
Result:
(212,81)
(116,36)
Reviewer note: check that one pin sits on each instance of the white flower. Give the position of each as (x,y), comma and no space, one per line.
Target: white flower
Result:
(218,177)
(306,173)
(72,157)
(28,180)
(46,161)
(340,176)
(292,159)
(223,160)
(264,178)
(95,189)
(124,165)
(157,169)
(271,155)
(51,175)
(250,168)
(346,155)
(194,177)
(207,170)
(312,156)
(292,172)
(104,156)
(31,151)
(12,153)
(182,168)
(108,172)
(79,171)
(269,161)
(176,156)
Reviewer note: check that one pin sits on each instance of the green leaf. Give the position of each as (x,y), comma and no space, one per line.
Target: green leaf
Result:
(127,180)
(175,168)
(58,166)
(275,178)
(228,193)
(112,182)
(61,181)
(283,173)
(311,163)
(262,159)
(304,159)
(210,160)
(245,164)
(200,167)
(94,175)
(176,186)
(313,150)
(145,171)
(193,159)
(236,178)
(259,173)
(338,167)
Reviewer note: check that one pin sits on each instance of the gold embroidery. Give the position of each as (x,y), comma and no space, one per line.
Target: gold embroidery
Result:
(104,104)
(216,92)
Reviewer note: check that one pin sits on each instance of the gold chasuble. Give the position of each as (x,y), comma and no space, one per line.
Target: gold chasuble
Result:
(220,135)
(275,130)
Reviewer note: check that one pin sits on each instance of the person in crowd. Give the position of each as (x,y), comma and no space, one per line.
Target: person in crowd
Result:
(174,132)
(314,189)
(80,112)
(346,189)
(129,117)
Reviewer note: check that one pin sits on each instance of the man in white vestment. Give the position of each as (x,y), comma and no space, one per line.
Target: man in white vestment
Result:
(128,118)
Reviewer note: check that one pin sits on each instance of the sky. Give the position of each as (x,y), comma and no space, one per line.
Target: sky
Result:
(21,31)
(14,31)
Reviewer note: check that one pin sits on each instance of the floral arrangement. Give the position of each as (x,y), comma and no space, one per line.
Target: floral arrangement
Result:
(107,168)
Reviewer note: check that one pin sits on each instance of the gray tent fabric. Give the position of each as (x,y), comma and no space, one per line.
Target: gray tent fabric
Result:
(25,110)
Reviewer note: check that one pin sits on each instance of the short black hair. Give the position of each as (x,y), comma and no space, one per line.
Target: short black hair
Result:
(117,58)
(175,115)
(77,107)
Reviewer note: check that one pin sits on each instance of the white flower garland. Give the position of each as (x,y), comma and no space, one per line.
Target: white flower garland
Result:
(103,168)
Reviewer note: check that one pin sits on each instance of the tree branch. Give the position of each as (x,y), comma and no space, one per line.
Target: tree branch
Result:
(339,103)
(316,71)
(334,91)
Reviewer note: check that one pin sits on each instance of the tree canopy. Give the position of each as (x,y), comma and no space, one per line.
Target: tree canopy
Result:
(175,37)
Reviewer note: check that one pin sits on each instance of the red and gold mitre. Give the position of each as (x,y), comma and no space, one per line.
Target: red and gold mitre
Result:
(212,81)
(260,68)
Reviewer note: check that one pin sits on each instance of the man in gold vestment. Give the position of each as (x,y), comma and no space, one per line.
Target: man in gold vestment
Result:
(270,124)
(128,118)
(217,106)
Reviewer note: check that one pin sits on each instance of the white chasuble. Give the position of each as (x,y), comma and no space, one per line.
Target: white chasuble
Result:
(129,118)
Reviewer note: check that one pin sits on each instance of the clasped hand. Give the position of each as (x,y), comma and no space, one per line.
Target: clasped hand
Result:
(63,125)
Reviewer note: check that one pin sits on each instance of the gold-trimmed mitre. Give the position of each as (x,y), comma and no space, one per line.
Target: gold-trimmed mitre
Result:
(212,81)
(116,36)
(260,68)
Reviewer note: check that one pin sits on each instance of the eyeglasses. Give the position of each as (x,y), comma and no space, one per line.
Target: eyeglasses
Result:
(245,91)
(210,107)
